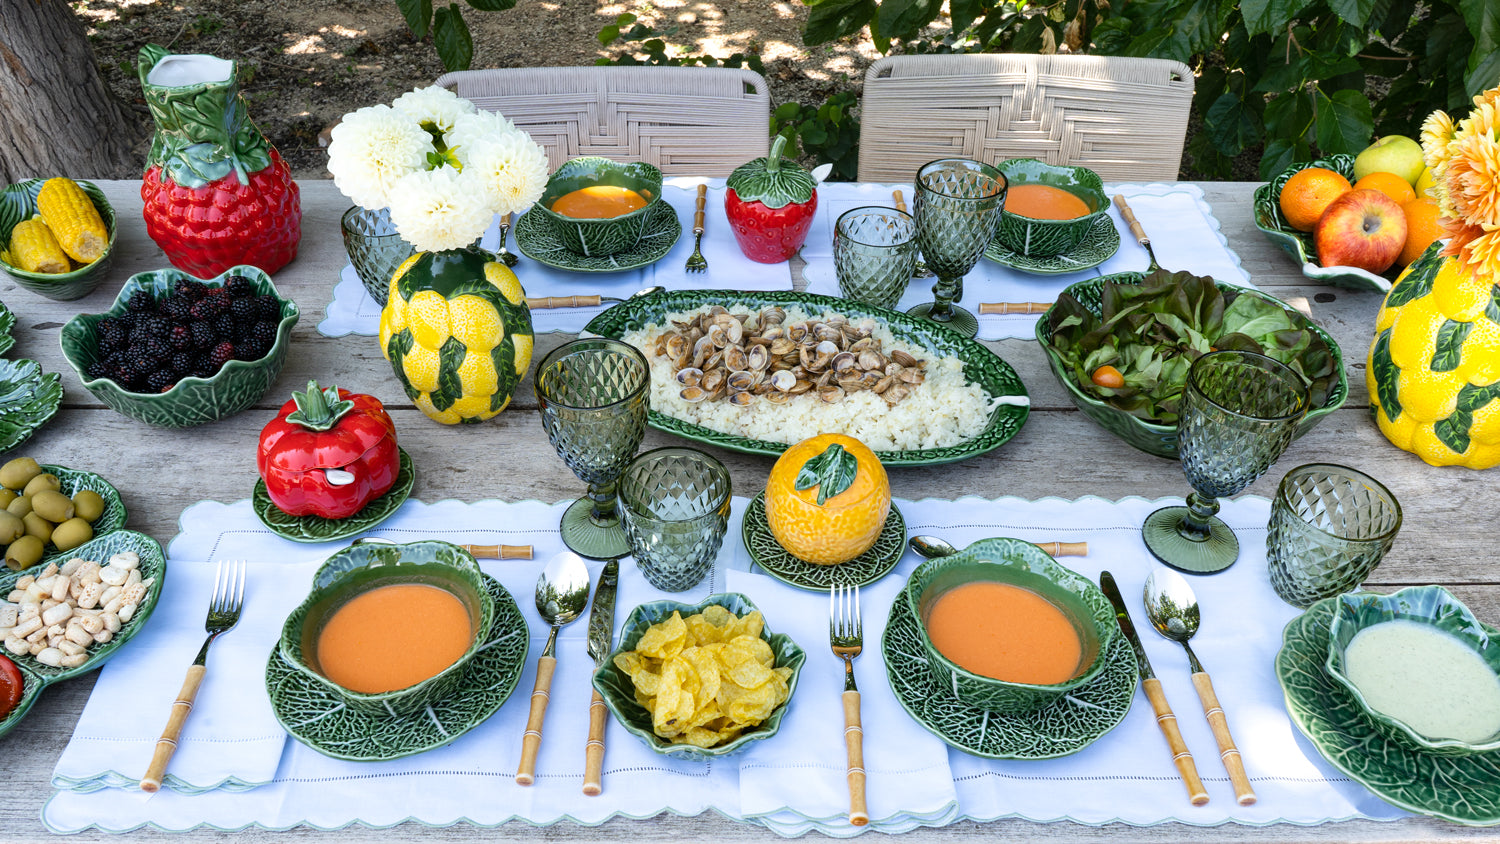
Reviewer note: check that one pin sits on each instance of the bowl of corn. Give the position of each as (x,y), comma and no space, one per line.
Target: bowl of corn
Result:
(56,236)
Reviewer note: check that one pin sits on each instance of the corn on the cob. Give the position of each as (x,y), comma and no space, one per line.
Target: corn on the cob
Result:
(74,220)
(35,250)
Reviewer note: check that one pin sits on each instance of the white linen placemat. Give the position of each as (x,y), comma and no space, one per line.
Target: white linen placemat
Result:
(1180,222)
(791,786)
(352,311)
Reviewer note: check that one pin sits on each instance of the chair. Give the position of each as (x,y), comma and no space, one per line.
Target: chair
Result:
(1124,118)
(699,121)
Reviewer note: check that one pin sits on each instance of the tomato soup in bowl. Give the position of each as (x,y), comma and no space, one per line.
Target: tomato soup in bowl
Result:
(1049,208)
(390,628)
(597,206)
(1007,628)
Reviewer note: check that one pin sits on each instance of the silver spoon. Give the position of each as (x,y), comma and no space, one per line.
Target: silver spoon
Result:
(502,253)
(561,593)
(1173,610)
(535,302)
(931,546)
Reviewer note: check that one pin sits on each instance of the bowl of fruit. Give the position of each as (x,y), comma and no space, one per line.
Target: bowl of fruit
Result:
(176,351)
(1351,221)
(56,236)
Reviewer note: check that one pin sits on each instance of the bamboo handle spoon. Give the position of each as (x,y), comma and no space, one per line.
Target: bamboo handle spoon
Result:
(1136,229)
(544,302)
(931,546)
(481,552)
(561,592)
(1173,610)
(1014,307)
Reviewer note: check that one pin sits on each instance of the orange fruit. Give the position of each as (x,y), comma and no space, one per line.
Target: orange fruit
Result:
(1307,193)
(1389,184)
(1421,228)
(848,520)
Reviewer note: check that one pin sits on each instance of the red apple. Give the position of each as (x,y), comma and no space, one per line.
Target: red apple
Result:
(1362,228)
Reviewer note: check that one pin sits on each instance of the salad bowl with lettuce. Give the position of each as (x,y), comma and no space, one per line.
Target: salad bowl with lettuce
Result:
(1121,346)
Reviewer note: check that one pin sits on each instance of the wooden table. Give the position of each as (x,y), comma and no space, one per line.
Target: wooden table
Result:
(160,471)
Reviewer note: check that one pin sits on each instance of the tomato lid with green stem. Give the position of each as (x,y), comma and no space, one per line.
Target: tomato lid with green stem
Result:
(772,181)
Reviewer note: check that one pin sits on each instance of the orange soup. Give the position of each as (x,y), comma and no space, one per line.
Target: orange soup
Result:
(1005,632)
(597,202)
(394,636)
(1044,202)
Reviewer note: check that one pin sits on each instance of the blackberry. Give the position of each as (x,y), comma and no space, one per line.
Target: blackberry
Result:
(113,335)
(239,286)
(207,308)
(264,332)
(157,347)
(141,302)
(176,308)
(180,337)
(183,363)
(220,355)
(203,368)
(190,289)
(160,381)
(137,368)
(203,335)
(266,307)
(225,327)
(99,369)
(243,310)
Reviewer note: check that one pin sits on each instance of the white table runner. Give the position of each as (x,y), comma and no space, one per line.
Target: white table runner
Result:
(792,783)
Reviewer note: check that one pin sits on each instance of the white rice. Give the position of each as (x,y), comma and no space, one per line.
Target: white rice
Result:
(943,410)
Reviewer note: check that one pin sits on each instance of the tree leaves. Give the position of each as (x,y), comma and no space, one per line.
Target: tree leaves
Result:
(832,19)
(1344,122)
(455,46)
(418,14)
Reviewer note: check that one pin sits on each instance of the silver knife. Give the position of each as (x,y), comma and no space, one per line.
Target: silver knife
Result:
(601,634)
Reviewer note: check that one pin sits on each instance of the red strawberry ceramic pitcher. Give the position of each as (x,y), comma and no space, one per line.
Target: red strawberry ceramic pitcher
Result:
(216,192)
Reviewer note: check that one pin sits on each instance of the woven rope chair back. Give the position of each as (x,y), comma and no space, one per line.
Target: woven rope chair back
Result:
(699,121)
(1124,118)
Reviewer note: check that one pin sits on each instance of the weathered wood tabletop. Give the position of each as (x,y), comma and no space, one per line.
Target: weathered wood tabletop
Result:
(159,472)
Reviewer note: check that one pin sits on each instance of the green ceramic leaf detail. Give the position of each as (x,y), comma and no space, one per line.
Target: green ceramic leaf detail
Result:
(1100,243)
(503,357)
(1492,310)
(1418,283)
(1454,431)
(831,472)
(772,181)
(537,239)
(1448,352)
(318,410)
(399,346)
(1472,397)
(29,398)
(776,561)
(203,131)
(450,388)
(7,322)
(1386,375)
(319,529)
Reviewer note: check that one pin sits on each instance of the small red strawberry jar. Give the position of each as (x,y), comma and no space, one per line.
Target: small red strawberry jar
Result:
(216,192)
(770,204)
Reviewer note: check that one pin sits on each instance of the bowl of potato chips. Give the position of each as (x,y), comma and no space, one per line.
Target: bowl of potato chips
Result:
(700,680)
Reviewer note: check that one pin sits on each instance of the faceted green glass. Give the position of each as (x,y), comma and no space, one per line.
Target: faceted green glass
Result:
(1239,413)
(1330,527)
(675,505)
(594,397)
(374,249)
(958,205)
(874,254)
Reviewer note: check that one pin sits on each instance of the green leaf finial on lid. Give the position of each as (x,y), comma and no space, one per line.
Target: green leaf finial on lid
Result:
(318,410)
(831,472)
(771,181)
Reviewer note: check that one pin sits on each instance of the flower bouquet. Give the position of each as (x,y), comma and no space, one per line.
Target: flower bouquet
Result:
(1465,163)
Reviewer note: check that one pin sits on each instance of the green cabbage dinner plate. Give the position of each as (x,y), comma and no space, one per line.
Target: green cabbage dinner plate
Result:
(1462,789)
(1067,725)
(781,564)
(320,720)
(536,240)
(29,398)
(994,375)
(7,322)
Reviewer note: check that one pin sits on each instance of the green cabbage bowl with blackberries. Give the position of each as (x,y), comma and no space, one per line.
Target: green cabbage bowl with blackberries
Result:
(1151,327)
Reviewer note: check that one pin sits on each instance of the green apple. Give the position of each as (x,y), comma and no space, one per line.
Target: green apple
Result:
(1391,154)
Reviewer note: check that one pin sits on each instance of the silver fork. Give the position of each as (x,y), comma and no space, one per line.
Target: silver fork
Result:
(504,254)
(846,635)
(696,263)
(223,614)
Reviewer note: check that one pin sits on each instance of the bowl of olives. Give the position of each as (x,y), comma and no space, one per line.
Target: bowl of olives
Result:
(47,511)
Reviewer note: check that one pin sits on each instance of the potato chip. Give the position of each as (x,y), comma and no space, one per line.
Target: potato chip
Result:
(664,639)
(705,661)
(701,631)
(751,625)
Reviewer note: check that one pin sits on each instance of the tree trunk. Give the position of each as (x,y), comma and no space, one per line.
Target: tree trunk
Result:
(60,119)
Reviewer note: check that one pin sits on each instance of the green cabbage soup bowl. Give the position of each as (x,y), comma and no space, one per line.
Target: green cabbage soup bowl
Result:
(359,569)
(1440,697)
(1138,324)
(1038,237)
(619,690)
(600,236)
(1015,563)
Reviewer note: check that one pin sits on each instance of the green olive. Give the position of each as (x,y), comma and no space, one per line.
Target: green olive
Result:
(11,527)
(7,496)
(38,527)
(88,505)
(71,534)
(23,553)
(45,480)
(20,506)
(52,505)
(17,473)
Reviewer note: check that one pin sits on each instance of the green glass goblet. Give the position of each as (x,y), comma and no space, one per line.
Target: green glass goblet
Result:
(957,210)
(594,396)
(375,249)
(1239,412)
(874,254)
(675,503)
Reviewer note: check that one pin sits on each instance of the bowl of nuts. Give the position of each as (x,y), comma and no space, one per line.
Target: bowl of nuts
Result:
(176,351)
(109,587)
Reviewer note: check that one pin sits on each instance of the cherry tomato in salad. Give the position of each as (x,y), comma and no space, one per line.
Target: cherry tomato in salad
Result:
(11,686)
